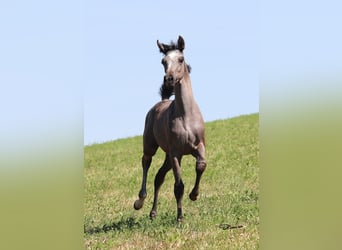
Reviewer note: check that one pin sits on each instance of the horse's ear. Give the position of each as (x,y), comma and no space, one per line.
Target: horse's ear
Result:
(161,47)
(180,43)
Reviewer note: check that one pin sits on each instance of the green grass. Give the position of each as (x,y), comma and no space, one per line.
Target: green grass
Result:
(229,194)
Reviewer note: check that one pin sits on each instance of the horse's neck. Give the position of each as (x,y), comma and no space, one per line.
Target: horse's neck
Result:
(184,99)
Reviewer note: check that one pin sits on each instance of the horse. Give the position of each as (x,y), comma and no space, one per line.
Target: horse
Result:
(176,126)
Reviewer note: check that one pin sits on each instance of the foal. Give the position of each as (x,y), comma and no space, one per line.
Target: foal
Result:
(174,125)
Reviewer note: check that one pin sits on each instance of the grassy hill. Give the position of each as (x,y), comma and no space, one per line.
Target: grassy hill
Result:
(225,216)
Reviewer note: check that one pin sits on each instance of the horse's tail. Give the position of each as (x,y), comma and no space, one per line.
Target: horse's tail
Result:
(166,91)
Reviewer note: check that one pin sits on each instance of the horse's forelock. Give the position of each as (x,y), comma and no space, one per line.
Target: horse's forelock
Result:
(170,47)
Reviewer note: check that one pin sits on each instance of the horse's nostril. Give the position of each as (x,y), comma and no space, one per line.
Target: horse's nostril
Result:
(169,78)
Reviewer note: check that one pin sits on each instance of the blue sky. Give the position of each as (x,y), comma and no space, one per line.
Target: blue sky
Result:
(123,70)
(92,68)
(96,63)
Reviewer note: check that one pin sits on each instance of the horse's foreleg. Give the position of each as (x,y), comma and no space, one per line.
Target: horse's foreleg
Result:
(146,162)
(200,167)
(178,187)
(158,181)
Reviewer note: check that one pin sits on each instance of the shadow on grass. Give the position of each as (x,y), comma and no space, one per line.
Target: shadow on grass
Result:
(131,223)
(121,225)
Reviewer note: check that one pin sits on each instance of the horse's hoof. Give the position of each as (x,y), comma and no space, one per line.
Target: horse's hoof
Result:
(138,204)
(180,219)
(192,196)
(153,215)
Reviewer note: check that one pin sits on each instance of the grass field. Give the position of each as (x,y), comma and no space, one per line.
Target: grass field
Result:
(225,216)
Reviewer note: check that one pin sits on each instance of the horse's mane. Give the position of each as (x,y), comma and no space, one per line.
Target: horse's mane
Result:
(166,91)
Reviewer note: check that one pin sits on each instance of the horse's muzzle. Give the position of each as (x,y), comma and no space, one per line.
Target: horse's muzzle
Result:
(168,79)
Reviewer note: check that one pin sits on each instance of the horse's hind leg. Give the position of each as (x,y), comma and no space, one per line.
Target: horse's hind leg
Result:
(200,167)
(158,181)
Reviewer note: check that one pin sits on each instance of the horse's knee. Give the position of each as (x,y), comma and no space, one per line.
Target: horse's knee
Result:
(200,166)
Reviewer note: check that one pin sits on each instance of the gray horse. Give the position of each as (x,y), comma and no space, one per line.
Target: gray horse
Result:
(174,125)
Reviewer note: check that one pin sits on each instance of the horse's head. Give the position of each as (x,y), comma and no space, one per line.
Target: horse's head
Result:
(174,64)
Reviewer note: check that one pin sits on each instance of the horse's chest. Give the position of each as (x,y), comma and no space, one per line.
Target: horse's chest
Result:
(184,133)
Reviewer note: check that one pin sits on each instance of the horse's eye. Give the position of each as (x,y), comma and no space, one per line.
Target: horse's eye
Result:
(181,60)
(163,62)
